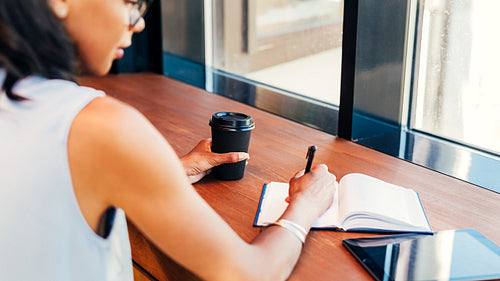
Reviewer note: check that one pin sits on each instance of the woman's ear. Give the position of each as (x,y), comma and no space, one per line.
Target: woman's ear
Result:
(60,8)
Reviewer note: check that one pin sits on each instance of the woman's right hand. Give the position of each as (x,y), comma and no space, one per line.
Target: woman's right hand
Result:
(314,190)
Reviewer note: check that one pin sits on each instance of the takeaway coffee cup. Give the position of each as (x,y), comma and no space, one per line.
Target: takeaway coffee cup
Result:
(230,133)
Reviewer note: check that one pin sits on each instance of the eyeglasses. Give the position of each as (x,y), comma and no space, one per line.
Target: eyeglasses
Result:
(138,11)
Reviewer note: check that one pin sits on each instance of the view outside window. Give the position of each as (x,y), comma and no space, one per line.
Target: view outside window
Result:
(458,94)
(294,45)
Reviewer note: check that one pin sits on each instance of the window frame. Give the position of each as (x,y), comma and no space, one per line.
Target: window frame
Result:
(382,126)
(372,128)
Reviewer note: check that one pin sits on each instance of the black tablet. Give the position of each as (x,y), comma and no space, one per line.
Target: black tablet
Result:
(463,254)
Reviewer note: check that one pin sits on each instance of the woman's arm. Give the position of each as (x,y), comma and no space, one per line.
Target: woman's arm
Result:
(118,158)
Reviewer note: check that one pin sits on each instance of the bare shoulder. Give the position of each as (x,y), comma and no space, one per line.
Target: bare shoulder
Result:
(108,130)
(112,115)
(117,157)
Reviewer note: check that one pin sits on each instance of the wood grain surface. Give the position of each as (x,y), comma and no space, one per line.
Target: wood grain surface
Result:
(277,148)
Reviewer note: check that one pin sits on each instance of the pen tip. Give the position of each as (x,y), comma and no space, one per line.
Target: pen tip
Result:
(310,151)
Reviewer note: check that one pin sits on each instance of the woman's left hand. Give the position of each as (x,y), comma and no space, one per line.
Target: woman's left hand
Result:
(200,161)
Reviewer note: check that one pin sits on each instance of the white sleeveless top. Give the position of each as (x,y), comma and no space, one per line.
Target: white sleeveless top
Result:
(43,234)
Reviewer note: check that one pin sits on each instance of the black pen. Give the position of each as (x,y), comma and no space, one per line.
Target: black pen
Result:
(310,157)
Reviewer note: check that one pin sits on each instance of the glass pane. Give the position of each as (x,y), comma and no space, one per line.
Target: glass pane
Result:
(457,92)
(294,45)
(282,16)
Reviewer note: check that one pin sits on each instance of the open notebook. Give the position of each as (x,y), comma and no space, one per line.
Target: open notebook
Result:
(361,203)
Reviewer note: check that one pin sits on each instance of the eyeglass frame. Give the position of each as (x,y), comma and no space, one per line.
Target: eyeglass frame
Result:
(138,11)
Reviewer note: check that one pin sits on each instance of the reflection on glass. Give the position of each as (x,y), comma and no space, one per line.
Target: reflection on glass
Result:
(446,255)
(457,89)
(294,45)
(283,16)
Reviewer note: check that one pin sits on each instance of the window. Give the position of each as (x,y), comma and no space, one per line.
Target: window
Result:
(266,53)
(293,45)
(409,93)
(415,77)
(457,94)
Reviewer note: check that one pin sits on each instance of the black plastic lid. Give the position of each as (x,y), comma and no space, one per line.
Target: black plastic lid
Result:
(232,121)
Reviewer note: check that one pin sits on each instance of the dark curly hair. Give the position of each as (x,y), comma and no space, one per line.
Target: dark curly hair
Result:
(33,41)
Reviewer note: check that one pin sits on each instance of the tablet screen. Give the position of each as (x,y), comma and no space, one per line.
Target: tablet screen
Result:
(446,255)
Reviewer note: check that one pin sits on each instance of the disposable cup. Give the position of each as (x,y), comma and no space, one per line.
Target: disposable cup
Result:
(230,133)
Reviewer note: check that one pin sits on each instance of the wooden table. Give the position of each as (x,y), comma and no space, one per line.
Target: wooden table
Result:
(181,113)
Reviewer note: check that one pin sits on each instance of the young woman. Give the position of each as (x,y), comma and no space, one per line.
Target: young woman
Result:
(70,154)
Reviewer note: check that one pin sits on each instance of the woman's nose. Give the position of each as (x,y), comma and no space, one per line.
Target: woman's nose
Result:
(139,26)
